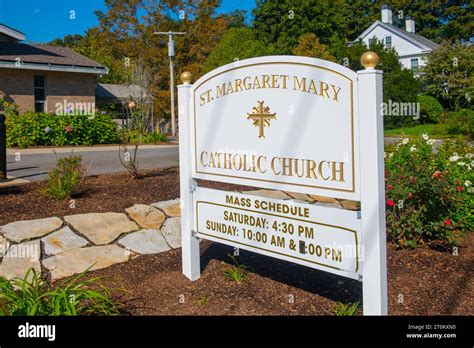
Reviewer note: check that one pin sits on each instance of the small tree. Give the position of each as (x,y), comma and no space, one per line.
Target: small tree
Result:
(448,75)
(309,45)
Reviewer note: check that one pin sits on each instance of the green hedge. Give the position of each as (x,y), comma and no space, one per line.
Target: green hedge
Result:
(41,129)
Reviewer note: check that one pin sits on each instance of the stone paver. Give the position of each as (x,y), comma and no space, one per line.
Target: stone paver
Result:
(78,260)
(268,194)
(300,196)
(19,258)
(146,216)
(324,199)
(145,242)
(3,245)
(20,231)
(171,230)
(349,205)
(101,228)
(171,208)
(62,240)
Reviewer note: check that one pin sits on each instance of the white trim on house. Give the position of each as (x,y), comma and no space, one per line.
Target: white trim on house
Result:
(395,31)
(54,67)
(12,33)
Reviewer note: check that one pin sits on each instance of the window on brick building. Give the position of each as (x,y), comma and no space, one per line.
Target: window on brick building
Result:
(40,94)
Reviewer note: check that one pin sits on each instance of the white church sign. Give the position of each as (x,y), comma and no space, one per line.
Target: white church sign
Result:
(295,124)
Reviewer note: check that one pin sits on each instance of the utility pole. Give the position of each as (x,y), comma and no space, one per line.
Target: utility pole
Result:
(171,35)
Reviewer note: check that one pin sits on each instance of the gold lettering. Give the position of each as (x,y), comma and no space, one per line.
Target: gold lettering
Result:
(323,87)
(340,171)
(312,88)
(221,91)
(272,164)
(202,158)
(320,170)
(336,92)
(256,82)
(259,165)
(311,166)
(299,85)
(284,80)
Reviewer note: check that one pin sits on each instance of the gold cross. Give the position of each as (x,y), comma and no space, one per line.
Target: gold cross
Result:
(261,117)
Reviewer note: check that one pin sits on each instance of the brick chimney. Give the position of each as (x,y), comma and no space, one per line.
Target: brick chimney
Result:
(409,24)
(386,10)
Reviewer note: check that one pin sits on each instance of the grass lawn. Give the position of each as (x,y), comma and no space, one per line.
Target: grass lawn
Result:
(433,130)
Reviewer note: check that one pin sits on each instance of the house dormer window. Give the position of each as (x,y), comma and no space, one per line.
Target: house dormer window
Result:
(388,41)
(414,65)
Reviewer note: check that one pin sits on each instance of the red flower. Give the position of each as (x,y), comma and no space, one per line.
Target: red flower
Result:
(390,202)
(68,129)
(394,181)
(460,188)
(448,222)
(389,187)
(436,174)
(410,195)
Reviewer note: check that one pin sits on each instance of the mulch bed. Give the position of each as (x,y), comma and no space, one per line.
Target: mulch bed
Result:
(421,281)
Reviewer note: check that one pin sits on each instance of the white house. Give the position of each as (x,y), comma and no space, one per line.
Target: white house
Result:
(411,48)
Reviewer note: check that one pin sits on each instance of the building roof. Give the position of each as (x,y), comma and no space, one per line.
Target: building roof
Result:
(9,34)
(53,57)
(415,38)
(108,92)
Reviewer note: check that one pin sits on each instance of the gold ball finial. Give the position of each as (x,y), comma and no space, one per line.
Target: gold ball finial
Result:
(369,59)
(186,77)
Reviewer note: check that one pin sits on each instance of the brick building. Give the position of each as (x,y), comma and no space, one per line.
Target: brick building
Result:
(39,77)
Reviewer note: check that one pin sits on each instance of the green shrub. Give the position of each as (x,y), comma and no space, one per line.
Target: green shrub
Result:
(35,296)
(41,129)
(430,109)
(429,193)
(460,122)
(135,137)
(237,273)
(350,309)
(63,180)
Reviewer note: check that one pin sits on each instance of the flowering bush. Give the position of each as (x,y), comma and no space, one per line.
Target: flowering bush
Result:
(429,191)
(32,129)
(9,108)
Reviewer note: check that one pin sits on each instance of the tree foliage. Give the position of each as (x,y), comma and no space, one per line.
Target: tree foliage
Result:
(448,75)
(309,45)
(236,44)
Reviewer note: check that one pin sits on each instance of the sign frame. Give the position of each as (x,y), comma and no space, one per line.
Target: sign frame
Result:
(368,98)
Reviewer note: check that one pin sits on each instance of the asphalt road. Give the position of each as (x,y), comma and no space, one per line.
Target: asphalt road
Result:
(33,165)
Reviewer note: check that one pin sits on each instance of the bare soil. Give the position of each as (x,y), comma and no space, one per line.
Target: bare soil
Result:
(421,282)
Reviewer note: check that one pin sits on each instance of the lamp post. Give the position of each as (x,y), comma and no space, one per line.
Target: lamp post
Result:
(3,146)
(171,35)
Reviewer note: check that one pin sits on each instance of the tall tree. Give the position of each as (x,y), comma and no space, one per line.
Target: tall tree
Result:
(448,75)
(438,20)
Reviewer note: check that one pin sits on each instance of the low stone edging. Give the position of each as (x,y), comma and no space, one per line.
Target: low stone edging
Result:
(64,247)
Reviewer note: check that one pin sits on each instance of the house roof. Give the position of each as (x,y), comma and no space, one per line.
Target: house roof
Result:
(412,37)
(9,34)
(107,92)
(52,56)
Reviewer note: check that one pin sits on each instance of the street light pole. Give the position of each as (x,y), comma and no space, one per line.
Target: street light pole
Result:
(171,35)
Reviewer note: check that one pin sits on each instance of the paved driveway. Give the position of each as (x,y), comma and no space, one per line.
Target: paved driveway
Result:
(34,164)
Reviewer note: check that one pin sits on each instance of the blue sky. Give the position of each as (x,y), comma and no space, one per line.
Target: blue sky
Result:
(45,20)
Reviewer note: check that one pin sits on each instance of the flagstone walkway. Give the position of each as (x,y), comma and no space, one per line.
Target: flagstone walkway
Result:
(67,246)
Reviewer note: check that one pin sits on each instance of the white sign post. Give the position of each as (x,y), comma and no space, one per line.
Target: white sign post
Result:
(288,123)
